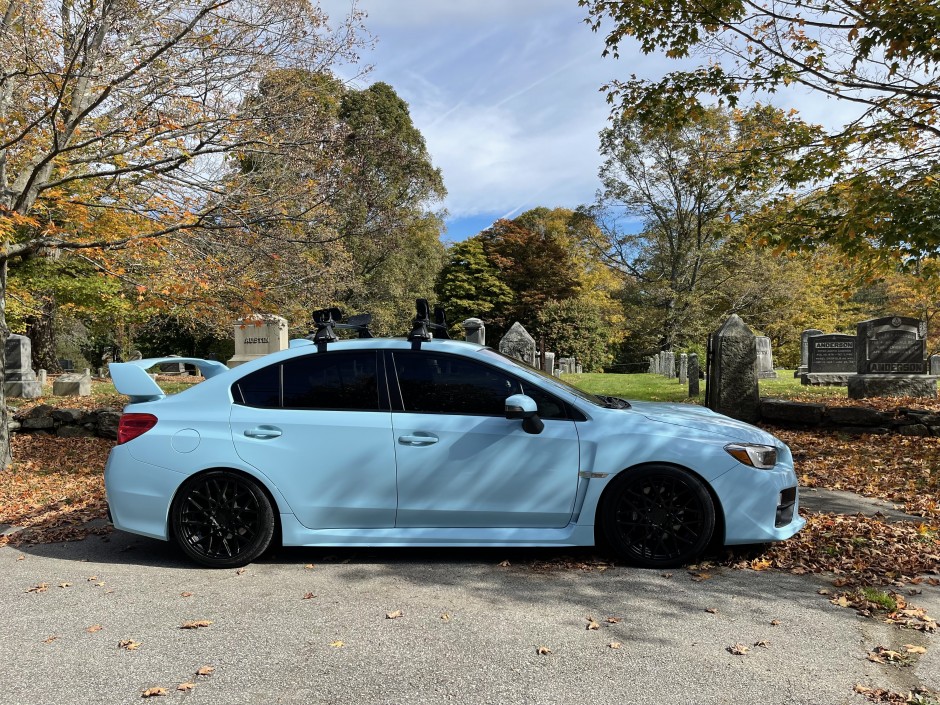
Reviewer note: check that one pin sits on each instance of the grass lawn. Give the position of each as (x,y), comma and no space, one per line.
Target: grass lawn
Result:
(646,387)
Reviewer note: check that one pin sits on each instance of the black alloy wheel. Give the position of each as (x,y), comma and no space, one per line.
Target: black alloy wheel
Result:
(658,516)
(222,519)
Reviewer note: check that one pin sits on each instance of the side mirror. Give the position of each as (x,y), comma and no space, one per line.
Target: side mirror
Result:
(519,406)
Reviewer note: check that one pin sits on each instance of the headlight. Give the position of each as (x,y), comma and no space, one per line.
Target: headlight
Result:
(757,456)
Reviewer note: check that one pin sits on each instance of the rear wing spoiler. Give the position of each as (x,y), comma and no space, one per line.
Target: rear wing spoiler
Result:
(131,378)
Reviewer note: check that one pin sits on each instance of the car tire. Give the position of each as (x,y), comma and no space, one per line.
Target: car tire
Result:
(658,516)
(222,519)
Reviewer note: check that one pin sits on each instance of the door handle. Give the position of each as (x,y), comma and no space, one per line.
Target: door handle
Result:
(419,439)
(263,432)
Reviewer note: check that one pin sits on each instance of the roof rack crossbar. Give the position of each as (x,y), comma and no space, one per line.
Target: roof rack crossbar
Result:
(327,322)
(422,330)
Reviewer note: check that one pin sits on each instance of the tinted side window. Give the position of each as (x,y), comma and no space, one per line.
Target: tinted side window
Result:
(549,406)
(261,388)
(343,380)
(441,384)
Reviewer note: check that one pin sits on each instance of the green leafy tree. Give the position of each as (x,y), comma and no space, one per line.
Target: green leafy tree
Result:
(535,261)
(870,186)
(575,327)
(49,293)
(366,236)
(672,197)
(408,272)
(469,285)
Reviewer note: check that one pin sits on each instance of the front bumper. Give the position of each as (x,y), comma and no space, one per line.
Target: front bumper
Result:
(759,505)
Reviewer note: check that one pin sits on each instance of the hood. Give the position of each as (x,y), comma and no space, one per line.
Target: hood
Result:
(701,418)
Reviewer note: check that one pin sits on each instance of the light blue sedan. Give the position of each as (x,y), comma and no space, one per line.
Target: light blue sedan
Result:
(395,442)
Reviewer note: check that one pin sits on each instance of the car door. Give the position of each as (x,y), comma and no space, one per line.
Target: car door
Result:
(320,428)
(461,462)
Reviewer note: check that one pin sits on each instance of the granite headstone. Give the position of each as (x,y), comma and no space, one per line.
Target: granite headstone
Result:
(20,380)
(257,336)
(519,344)
(732,387)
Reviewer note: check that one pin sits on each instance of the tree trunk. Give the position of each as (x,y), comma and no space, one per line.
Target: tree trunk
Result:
(6,457)
(41,332)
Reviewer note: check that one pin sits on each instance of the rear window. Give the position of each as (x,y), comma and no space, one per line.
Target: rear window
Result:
(261,388)
(329,381)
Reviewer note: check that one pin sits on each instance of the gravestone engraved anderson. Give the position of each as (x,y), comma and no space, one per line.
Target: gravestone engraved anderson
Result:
(832,353)
(891,345)
(890,356)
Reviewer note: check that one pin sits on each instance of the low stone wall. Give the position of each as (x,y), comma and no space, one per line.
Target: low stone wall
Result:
(68,423)
(854,420)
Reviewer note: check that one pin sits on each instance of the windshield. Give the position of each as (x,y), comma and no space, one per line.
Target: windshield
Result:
(554,381)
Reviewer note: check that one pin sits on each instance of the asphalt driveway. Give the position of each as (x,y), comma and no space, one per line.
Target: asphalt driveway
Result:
(311,626)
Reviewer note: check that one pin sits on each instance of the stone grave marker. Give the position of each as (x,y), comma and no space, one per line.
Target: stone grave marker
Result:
(171,368)
(890,356)
(20,380)
(732,376)
(831,359)
(892,345)
(549,363)
(474,331)
(935,365)
(256,336)
(693,375)
(765,358)
(683,368)
(72,385)
(519,344)
(804,350)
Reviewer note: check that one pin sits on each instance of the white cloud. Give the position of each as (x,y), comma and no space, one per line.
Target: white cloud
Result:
(506,95)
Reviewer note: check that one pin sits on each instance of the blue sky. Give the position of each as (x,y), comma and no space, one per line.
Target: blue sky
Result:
(506,94)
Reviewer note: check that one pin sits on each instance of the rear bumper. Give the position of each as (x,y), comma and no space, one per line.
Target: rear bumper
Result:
(139,494)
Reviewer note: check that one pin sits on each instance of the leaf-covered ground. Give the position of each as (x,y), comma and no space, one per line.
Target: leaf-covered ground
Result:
(902,469)
(55,489)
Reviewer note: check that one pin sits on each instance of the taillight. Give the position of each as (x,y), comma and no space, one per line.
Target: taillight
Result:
(132,425)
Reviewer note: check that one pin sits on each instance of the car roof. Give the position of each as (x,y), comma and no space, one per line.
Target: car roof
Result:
(389,344)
